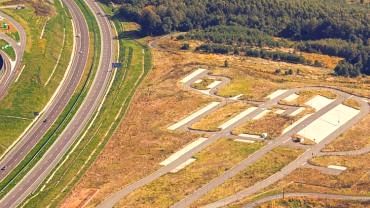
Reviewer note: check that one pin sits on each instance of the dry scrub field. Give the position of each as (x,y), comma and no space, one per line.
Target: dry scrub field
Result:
(210,163)
(272,124)
(142,140)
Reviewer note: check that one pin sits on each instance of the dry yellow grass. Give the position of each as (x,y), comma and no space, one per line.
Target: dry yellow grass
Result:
(309,202)
(268,165)
(355,138)
(328,61)
(212,121)
(272,124)
(352,103)
(210,163)
(203,85)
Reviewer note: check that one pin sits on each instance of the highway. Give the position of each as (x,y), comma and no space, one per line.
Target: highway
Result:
(94,97)
(19,49)
(77,65)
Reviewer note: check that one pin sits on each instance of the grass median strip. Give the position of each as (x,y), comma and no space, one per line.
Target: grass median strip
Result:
(57,128)
(136,65)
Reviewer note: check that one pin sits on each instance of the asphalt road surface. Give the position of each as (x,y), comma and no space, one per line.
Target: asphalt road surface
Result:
(19,49)
(94,97)
(308,195)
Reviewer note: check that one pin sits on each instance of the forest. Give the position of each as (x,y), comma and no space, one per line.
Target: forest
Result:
(310,21)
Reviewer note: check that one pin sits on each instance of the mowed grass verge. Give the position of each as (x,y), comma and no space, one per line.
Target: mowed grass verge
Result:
(172,187)
(29,94)
(136,60)
(67,114)
(269,164)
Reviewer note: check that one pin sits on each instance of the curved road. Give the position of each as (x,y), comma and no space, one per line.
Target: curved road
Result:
(64,94)
(19,49)
(96,93)
(309,195)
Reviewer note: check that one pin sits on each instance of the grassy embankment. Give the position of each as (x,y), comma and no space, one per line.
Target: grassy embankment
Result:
(136,65)
(18,107)
(56,129)
(210,163)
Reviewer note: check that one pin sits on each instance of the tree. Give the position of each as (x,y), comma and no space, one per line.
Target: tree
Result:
(226,63)
(185,46)
(150,21)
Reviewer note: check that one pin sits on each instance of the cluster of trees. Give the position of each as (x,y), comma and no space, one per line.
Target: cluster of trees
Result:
(303,20)
(253,52)
(356,56)
(235,35)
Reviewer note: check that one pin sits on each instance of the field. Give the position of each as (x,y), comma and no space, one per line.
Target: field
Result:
(306,202)
(18,108)
(272,124)
(266,166)
(209,164)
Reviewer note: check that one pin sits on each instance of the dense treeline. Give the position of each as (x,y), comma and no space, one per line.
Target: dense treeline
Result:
(235,35)
(356,55)
(300,20)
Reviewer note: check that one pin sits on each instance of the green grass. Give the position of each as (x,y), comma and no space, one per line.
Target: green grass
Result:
(15,36)
(30,94)
(8,49)
(38,151)
(114,108)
